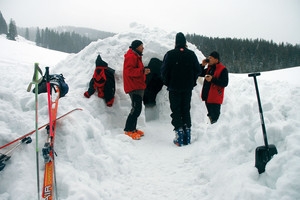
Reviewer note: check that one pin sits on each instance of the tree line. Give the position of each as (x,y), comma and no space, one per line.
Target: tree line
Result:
(247,55)
(238,55)
(69,42)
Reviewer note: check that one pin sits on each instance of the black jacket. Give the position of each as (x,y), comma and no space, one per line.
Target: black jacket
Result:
(180,69)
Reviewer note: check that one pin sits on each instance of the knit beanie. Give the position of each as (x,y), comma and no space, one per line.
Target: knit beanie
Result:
(180,40)
(135,44)
(100,62)
(215,55)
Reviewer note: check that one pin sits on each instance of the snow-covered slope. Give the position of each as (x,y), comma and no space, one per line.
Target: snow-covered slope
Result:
(97,161)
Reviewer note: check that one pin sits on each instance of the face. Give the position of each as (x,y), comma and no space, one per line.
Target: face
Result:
(212,60)
(140,48)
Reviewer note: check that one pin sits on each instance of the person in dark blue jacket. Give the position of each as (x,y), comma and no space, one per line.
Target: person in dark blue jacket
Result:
(180,71)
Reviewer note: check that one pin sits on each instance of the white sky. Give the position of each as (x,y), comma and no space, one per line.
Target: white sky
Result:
(277,20)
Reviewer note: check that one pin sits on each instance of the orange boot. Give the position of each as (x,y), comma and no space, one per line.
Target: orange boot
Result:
(133,134)
(141,133)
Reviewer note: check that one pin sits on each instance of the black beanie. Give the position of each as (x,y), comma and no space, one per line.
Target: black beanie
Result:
(215,55)
(180,40)
(135,44)
(100,62)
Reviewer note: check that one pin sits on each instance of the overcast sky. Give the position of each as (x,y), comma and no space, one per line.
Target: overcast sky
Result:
(277,20)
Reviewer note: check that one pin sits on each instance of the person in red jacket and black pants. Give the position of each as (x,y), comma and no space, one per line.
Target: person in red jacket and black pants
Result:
(134,77)
(215,81)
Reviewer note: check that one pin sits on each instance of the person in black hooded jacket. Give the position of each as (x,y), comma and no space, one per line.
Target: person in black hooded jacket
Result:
(103,81)
(180,71)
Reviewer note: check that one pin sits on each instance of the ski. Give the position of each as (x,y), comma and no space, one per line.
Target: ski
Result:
(7,155)
(48,149)
(33,131)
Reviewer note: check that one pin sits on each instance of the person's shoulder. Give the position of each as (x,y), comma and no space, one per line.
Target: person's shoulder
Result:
(221,65)
(171,51)
(130,54)
(189,51)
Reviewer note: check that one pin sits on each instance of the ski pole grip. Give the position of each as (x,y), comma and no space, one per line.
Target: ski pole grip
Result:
(254,74)
(47,74)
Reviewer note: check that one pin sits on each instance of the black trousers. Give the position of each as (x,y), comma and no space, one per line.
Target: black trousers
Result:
(213,110)
(180,104)
(136,109)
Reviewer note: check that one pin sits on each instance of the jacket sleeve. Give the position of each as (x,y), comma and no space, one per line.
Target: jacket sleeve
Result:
(164,70)
(222,80)
(198,68)
(203,71)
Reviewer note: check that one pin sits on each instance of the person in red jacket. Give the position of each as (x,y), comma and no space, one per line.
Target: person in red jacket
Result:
(215,81)
(134,77)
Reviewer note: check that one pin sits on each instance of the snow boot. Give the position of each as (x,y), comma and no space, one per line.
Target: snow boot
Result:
(133,134)
(187,136)
(178,140)
(141,133)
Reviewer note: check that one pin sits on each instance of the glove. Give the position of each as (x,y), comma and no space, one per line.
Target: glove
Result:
(86,94)
(110,102)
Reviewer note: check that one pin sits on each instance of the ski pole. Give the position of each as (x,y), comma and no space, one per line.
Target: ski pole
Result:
(36,81)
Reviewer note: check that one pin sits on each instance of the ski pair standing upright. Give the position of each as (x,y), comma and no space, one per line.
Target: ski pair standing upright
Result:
(48,151)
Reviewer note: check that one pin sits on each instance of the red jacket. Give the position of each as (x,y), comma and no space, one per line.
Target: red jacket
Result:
(216,86)
(133,72)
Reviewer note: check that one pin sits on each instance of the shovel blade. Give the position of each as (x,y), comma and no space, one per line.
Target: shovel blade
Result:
(263,155)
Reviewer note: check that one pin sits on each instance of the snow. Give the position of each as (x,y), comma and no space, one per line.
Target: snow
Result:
(96,160)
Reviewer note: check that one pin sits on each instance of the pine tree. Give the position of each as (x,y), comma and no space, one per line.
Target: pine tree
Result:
(12,30)
(38,40)
(27,34)
(3,25)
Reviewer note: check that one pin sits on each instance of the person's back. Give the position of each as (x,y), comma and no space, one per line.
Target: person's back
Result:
(183,69)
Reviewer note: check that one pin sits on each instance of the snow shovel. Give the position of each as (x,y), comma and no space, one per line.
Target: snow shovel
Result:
(262,153)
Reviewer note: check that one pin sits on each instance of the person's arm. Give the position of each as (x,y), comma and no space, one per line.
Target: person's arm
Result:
(164,70)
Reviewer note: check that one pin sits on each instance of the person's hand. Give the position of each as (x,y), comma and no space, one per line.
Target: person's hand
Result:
(208,78)
(146,70)
(205,61)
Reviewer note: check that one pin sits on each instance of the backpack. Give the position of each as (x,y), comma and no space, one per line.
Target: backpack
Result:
(55,79)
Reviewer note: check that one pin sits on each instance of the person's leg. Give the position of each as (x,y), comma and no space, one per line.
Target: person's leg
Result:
(136,109)
(186,107)
(214,112)
(175,99)
(186,116)
(175,105)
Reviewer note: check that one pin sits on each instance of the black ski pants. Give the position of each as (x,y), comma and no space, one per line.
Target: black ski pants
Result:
(213,110)
(136,109)
(180,104)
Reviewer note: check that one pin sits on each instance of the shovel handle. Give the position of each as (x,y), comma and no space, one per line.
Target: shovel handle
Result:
(254,74)
(260,108)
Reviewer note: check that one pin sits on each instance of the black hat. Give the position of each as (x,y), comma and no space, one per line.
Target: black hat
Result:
(215,55)
(180,40)
(100,62)
(135,44)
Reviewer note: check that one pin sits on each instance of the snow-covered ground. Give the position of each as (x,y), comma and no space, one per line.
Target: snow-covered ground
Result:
(96,160)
